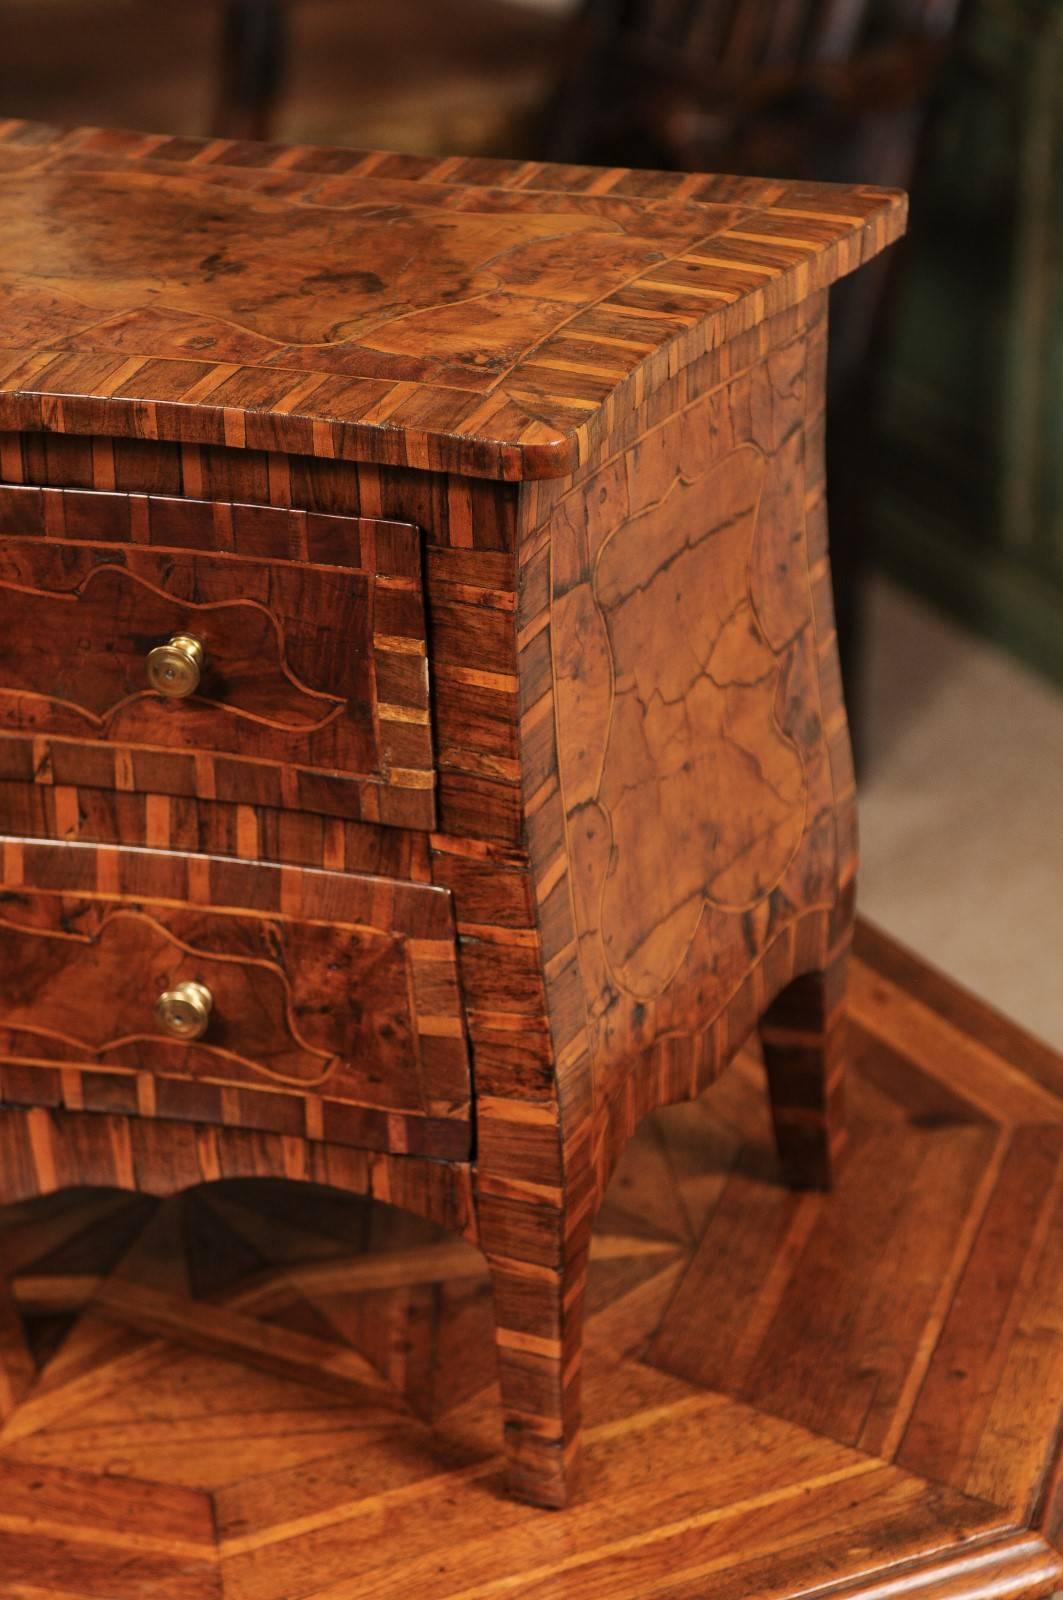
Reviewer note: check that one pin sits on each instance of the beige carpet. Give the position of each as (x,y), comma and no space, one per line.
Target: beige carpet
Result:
(962,810)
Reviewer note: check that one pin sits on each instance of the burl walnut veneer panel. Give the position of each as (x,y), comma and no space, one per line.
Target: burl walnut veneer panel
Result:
(490,496)
(315,680)
(488,317)
(336,1003)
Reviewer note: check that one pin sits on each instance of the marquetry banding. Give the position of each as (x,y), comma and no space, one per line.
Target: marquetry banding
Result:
(410,778)
(111,878)
(73,1096)
(398,645)
(529,1344)
(479,433)
(517,1111)
(499,682)
(500,487)
(315,1127)
(414,714)
(314,771)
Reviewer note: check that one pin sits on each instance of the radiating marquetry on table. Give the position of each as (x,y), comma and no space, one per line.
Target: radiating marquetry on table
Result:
(421,745)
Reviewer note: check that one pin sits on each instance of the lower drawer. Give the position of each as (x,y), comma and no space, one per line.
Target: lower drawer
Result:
(301,1002)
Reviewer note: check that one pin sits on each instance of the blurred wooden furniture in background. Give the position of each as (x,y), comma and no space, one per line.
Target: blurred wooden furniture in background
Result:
(812,89)
(412,75)
(254,59)
(422,738)
(970,493)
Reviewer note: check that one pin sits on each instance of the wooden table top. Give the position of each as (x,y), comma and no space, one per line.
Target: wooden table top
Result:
(495,318)
(787,1395)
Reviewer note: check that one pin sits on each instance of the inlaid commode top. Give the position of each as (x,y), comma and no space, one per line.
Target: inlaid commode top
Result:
(490,317)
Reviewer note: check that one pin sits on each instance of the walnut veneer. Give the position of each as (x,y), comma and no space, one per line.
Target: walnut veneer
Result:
(513,788)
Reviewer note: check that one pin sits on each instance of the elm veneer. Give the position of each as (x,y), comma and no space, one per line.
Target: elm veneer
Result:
(514,785)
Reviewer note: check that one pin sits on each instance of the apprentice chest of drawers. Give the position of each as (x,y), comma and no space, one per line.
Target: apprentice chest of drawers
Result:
(421,744)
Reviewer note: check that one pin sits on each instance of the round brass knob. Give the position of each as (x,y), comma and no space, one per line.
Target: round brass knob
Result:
(184,1011)
(175,668)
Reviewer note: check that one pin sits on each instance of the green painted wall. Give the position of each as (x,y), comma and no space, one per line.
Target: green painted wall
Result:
(969,493)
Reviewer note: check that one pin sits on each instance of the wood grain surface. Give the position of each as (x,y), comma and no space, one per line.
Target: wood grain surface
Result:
(336,1010)
(498,318)
(276,509)
(314,691)
(276,1392)
(278,398)
(687,765)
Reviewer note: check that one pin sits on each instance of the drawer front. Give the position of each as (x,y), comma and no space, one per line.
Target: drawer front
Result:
(329,1004)
(203,648)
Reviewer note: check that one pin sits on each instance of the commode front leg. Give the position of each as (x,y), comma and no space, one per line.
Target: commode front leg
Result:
(538,1305)
(804,1038)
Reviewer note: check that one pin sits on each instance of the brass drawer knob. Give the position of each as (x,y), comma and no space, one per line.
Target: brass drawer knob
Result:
(175,668)
(184,1011)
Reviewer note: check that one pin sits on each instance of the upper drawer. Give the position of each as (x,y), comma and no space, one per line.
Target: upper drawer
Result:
(301,1002)
(235,652)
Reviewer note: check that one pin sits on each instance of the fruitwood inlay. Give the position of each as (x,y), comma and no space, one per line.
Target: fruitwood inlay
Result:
(494,318)
(499,488)
(875,1414)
